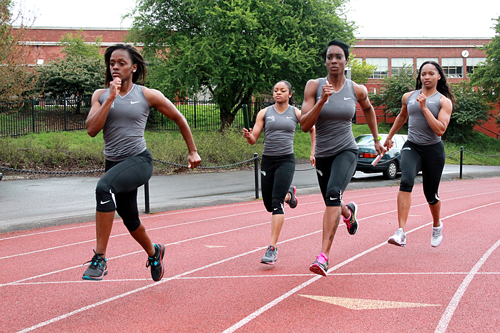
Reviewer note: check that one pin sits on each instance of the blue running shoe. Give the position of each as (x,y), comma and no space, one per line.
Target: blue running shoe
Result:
(156,262)
(97,269)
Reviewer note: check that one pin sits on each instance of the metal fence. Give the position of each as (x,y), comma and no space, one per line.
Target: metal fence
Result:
(69,114)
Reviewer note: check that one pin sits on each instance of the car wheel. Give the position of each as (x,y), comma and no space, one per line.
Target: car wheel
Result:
(391,171)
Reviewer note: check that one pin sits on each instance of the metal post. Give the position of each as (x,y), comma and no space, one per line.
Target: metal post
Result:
(146,196)
(256,163)
(461,160)
(33,113)
(65,115)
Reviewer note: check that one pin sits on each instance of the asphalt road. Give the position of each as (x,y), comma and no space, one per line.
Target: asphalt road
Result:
(29,204)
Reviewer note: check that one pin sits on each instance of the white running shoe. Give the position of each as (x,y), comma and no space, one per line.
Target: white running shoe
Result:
(437,235)
(399,238)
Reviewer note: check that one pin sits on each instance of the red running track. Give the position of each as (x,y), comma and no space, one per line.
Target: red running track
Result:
(214,281)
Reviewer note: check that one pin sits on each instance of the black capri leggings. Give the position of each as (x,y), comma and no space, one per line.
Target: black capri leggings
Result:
(276,178)
(122,179)
(430,159)
(334,174)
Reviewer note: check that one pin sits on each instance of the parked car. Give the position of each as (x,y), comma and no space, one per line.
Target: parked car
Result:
(389,164)
(1,176)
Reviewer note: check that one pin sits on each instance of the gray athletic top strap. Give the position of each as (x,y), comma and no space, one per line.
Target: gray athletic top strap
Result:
(334,125)
(419,131)
(124,128)
(279,129)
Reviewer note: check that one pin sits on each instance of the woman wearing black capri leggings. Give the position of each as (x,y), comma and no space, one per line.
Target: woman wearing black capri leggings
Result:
(428,111)
(121,112)
(330,104)
(279,122)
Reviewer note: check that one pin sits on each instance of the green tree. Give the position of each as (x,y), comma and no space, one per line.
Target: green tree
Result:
(236,48)
(75,45)
(469,110)
(16,77)
(79,73)
(395,86)
(360,70)
(487,75)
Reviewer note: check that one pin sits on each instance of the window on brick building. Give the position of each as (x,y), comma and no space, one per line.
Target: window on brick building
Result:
(398,64)
(453,67)
(420,61)
(382,67)
(472,63)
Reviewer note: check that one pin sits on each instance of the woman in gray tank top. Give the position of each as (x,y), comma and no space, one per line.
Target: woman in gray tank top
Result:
(121,112)
(330,104)
(279,122)
(428,111)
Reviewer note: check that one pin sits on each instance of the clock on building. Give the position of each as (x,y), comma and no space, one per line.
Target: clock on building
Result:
(465,53)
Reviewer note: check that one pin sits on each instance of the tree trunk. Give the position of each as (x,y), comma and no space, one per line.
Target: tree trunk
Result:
(226,119)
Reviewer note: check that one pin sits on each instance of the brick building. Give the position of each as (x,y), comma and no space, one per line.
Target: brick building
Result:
(457,56)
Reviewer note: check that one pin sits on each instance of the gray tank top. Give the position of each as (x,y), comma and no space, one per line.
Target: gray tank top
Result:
(334,125)
(279,130)
(419,131)
(124,128)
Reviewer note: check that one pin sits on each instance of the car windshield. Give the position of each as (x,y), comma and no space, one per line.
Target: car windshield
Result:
(368,139)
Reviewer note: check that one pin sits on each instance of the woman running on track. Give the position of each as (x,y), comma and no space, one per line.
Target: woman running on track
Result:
(121,112)
(330,104)
(279,122)
(428,111)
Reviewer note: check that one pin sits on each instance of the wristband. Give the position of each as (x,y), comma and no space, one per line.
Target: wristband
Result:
(378,138)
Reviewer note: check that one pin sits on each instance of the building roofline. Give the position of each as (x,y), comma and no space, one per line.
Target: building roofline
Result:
(74,28)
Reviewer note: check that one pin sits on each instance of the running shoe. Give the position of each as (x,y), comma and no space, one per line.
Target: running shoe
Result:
(271,256)
(156,262)
(97,269)
(320,265)
(352,223)
(437,235)
(293,201)
(399,238)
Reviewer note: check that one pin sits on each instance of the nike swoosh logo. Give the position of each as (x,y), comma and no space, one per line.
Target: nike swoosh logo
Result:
(333,199)
(104,202)
(346,98)
(134,102)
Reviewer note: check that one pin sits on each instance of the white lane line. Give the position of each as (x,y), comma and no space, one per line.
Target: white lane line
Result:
(215,218)
(154,215)
(211,265)
(291,292)
(168,244)
(226,277)
(165,280)
(452,306)
(126,234)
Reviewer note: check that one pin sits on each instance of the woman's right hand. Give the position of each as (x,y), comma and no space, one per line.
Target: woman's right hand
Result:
(388,143)
(246,133)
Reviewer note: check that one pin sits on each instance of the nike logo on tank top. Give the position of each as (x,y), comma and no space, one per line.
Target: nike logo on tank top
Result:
(419,131)
(123,131)
(334,124)
(279,130)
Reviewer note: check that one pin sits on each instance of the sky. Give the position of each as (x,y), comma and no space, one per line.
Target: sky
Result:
(374,18)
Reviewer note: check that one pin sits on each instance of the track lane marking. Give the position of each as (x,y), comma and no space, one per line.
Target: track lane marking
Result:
(177,212)
(273,303)
(452,306)
(225,216)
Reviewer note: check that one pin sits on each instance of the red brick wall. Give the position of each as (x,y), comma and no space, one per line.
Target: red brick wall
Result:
(45,40)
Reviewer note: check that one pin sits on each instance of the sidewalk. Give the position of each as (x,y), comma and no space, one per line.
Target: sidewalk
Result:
(29,204)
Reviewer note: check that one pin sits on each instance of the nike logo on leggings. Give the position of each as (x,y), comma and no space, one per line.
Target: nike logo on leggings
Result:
(104,202)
